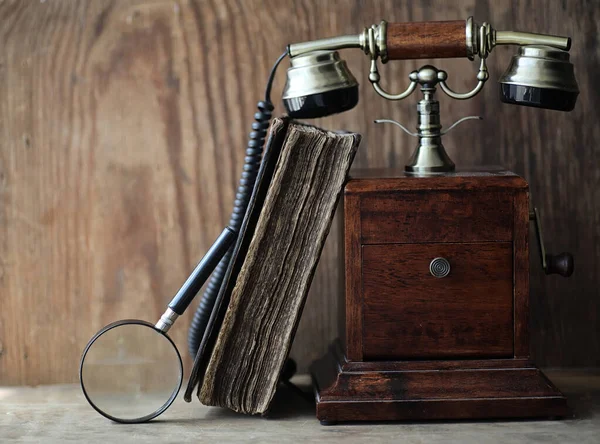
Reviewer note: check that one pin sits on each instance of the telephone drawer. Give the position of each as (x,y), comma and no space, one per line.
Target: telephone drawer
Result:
(450,216)
(433,301)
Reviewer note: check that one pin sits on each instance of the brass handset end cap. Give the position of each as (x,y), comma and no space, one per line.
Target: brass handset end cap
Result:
(568,44)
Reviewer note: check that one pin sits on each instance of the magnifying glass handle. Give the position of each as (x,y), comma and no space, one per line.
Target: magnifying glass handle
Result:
(197,278)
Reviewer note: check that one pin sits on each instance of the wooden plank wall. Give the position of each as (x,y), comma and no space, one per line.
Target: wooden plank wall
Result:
(122,134)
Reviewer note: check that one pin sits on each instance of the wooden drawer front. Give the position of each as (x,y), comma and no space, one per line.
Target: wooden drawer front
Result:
(408,313)
(412,217)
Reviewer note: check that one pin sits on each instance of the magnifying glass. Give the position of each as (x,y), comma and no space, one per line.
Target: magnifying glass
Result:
(131,371)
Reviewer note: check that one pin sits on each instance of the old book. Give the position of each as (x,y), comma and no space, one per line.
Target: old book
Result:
(269,293)
(272,150)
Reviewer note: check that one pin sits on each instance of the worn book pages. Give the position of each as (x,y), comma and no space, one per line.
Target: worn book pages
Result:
(269,294)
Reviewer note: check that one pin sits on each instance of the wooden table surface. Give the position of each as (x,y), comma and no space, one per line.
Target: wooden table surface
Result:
(59,413)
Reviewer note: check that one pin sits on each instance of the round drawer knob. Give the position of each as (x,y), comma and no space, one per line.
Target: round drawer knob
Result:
(439,267)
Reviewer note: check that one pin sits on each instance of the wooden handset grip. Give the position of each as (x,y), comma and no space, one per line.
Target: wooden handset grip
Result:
(425,40)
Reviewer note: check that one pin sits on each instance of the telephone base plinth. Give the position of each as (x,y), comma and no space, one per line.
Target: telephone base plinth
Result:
(431,390)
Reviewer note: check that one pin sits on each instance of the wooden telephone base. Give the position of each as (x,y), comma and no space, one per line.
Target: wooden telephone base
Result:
(428,342)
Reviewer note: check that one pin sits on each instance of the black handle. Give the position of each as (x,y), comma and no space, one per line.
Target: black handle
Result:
(202,272)
(562,264)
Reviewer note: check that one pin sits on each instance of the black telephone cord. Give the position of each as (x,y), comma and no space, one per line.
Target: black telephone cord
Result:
(252,162)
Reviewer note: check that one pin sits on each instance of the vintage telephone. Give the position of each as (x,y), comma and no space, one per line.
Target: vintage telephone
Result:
(320,84)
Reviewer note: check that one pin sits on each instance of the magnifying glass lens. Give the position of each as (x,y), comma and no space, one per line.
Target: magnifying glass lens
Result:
(131,372)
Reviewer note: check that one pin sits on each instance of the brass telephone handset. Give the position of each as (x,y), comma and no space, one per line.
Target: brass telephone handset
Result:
(540,75)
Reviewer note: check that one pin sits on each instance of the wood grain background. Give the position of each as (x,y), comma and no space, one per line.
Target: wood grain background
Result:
(122,133)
